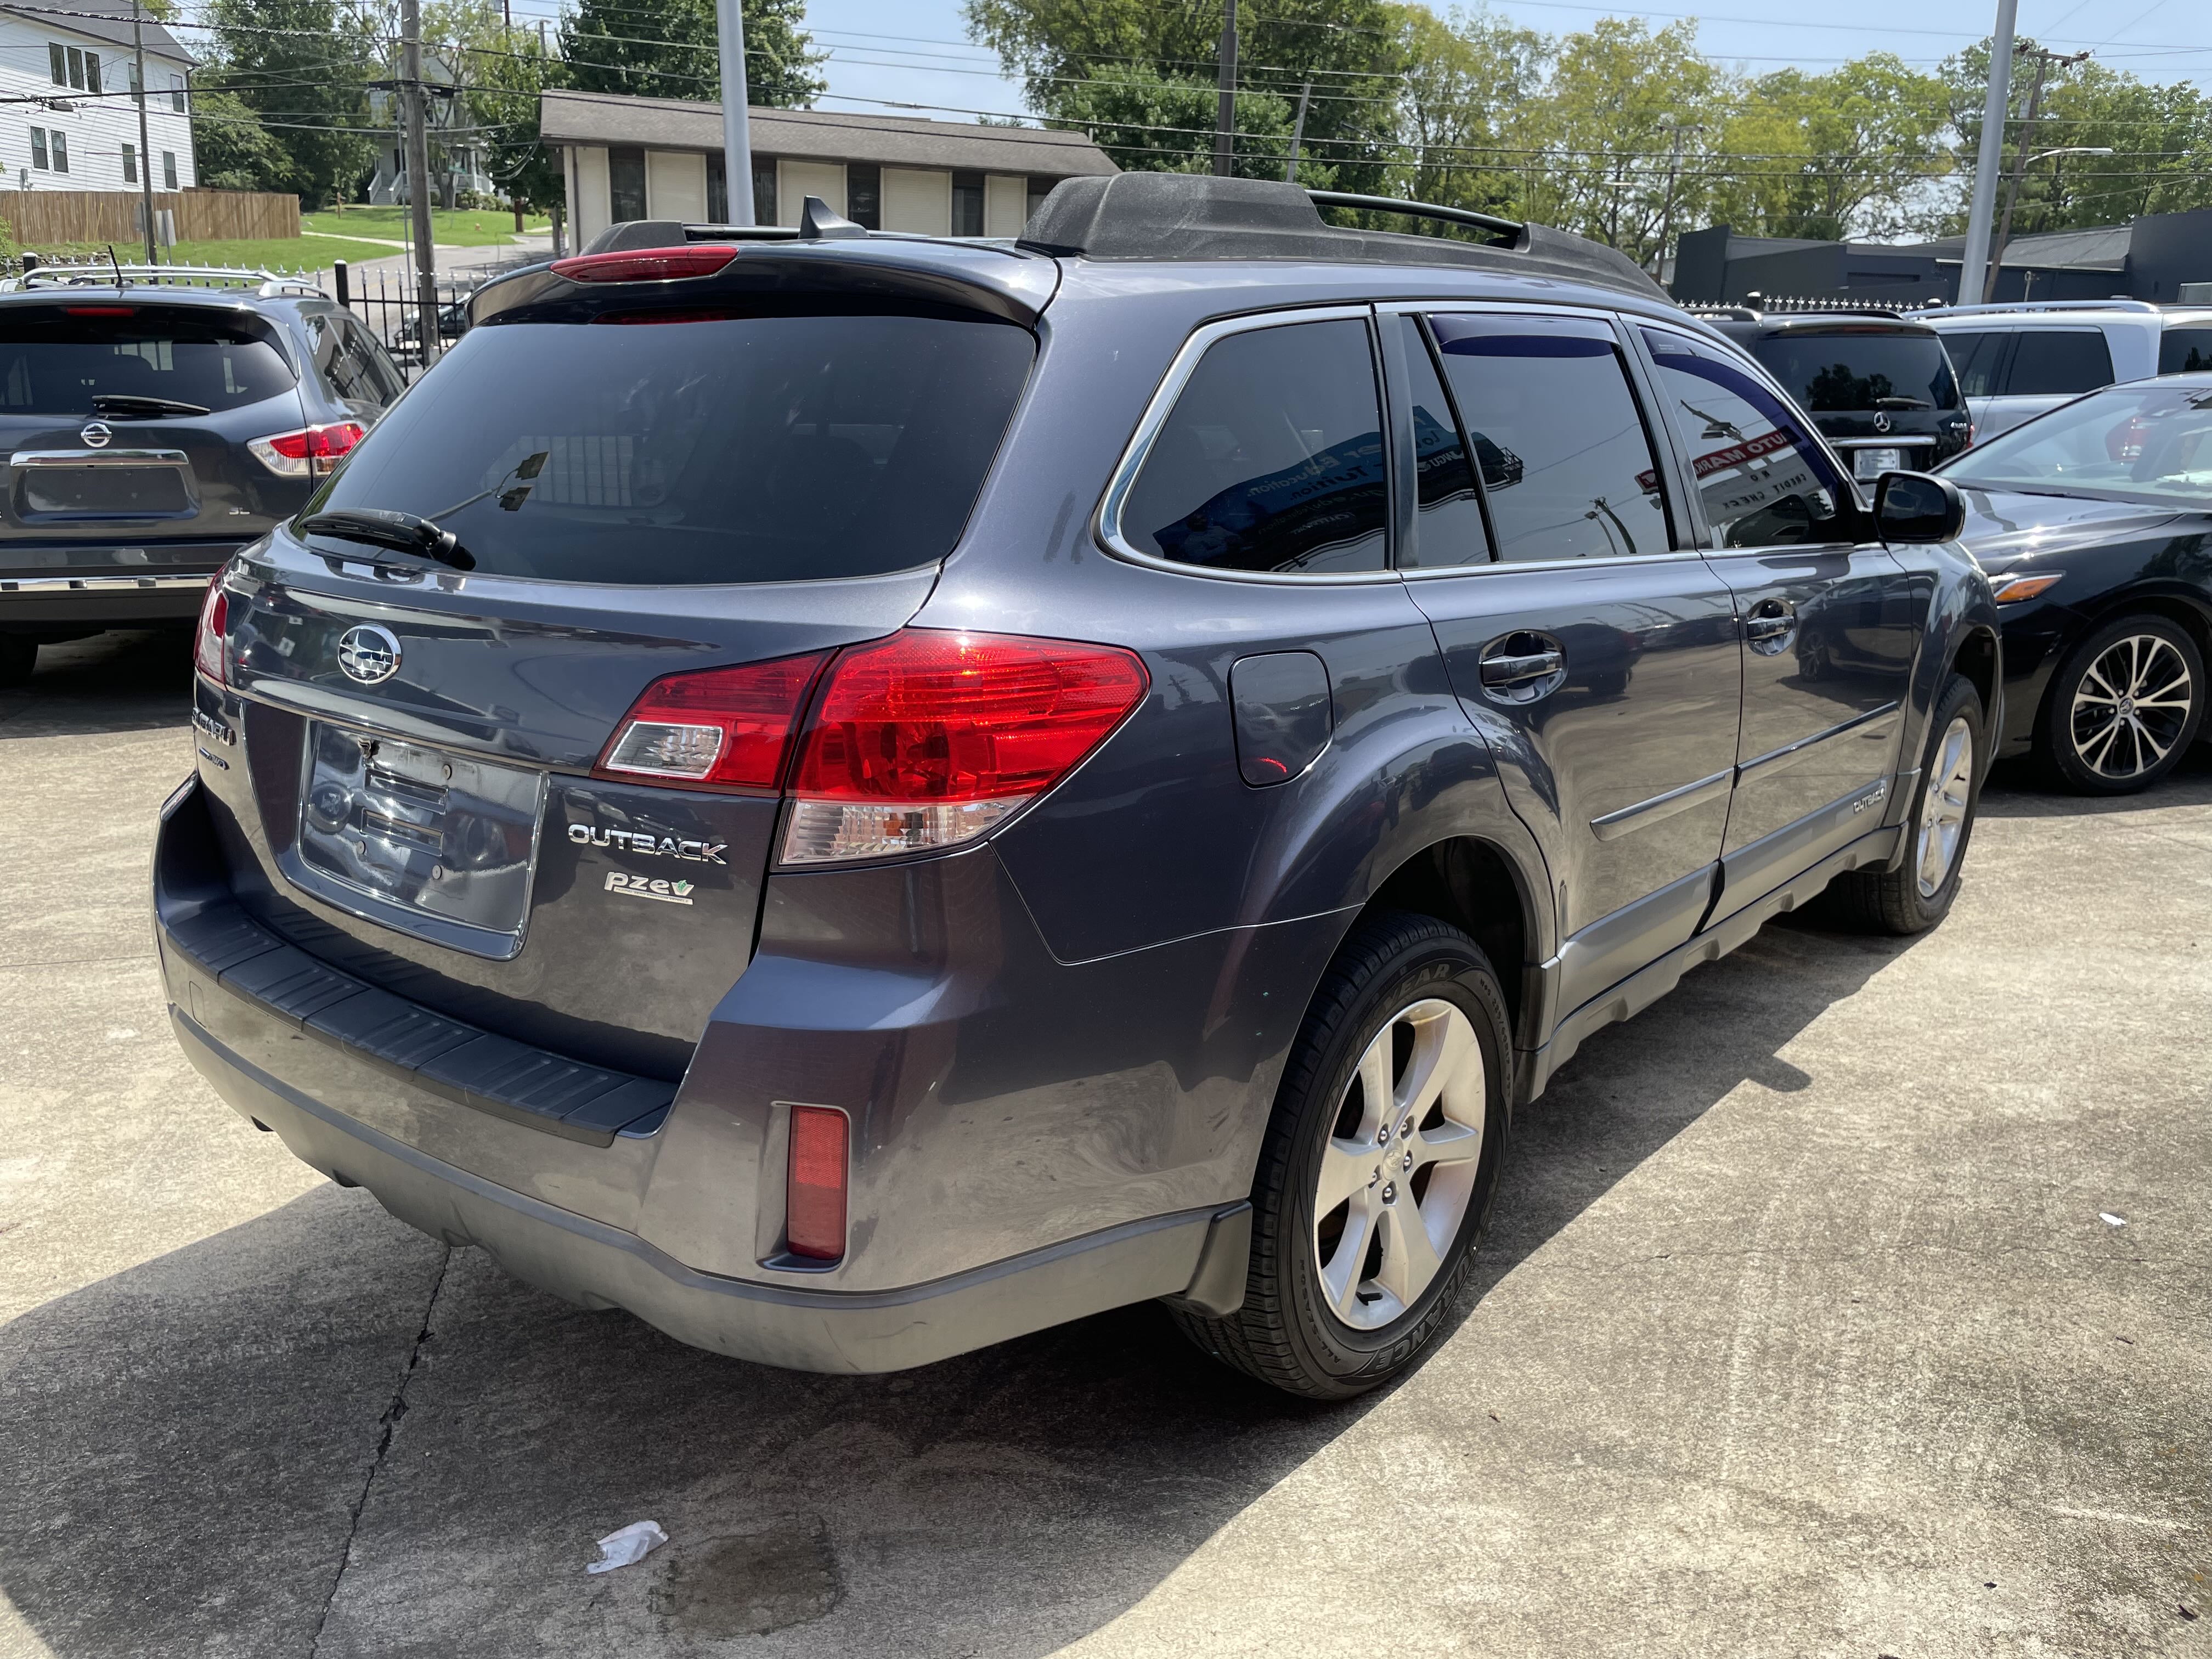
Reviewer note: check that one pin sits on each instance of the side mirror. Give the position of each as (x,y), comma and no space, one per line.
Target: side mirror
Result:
(1912,507)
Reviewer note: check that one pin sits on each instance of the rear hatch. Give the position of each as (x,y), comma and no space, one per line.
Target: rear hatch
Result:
(408,764)
(1884,395)
(126,425)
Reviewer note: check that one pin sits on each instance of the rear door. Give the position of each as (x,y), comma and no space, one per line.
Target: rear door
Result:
(1979,357)
(1830,622)
(406,764)
(1581,631)
(126,426)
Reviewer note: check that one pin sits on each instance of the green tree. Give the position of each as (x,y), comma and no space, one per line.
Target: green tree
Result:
(303,67)
(611,45)
(1465,82)
(231,149)
(1140,74)
(1851,153)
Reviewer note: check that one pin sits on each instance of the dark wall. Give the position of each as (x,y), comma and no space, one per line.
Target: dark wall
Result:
(2167,250)
(1701,265)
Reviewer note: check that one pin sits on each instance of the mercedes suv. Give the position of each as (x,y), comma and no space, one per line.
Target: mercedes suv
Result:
(856,796)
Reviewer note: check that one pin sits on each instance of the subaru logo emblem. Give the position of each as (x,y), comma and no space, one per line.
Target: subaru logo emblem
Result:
(1881,423)
(98,434)
(369,653)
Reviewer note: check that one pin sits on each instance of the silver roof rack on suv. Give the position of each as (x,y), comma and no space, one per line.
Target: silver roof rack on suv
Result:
(105,273)
(2114,304)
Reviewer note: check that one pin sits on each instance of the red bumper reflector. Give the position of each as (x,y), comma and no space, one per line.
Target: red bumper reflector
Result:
(814,1201)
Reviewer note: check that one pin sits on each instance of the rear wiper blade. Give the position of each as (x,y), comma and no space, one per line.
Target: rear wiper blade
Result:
(130,403)
(1902,403)
(402,532)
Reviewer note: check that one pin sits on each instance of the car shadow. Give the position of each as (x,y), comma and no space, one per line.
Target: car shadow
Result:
(129,680)
(2016,789)
(318,1431)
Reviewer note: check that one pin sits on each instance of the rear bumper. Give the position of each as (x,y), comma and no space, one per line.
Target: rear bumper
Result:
(69,601)
(598,1266)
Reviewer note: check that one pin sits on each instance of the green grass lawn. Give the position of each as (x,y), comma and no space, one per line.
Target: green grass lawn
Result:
(279,253)
(461,228)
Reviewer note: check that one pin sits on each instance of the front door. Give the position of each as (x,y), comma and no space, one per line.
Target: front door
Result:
(1597,654)
(1830,623)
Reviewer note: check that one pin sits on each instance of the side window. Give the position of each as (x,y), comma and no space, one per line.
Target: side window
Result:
(2184,350)
(378,373)
(1765,481)
(1271,459)
(1451,531)
(2054,362)
(1975,356)
(1567,467)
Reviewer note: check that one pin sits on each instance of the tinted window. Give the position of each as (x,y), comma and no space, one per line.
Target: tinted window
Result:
(1762,479)
(1975,356)
(720,449)
(2142,442)
(625,184)
(1567,467)
(1271,459)
(54,363)
(1860,370)
(1450,531)
(2052,363)
(2184,350)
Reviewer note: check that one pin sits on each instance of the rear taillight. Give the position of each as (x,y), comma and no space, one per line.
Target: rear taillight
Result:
(716,728)
(929,738)
(311,452)
(814,1200)
(207,652)
(646,265)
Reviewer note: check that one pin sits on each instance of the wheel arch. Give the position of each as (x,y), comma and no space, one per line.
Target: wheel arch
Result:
(1479,886)
(2186,609)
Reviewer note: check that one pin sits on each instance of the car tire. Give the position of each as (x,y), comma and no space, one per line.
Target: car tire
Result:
(18,655)
(2097,738)
(1410,1008)
(1917,893)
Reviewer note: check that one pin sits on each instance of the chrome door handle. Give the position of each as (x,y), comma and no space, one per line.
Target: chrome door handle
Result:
(1519,670)
(1770,625)
(1522,666)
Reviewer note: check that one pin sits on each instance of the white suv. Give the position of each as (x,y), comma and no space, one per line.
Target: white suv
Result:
(2014,361)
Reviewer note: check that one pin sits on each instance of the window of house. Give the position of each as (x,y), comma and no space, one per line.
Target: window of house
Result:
(763,190)
(1567,466)
(59,142)
(1039,189)
(176,93)
(38,148)
(136,83)
(169,169)
(57,62)
(76,68)
(92,71)
(966,205)
(1763,476)
(625,183)
(130,164)
(1271,459)
(863,196)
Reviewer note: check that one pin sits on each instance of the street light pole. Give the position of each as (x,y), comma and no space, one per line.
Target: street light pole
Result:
(1973,267)
(737,118)
(1224,118)
(2044,60)
(416,145)
(1298,136)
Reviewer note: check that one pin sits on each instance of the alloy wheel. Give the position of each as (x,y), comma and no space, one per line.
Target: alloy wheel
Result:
(2130,708)
(1398,1169)
(1943,807)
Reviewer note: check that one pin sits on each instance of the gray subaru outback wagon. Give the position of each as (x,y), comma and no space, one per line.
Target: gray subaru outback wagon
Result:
(856,796)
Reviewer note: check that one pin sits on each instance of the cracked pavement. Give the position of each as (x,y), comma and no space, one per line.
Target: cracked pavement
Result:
(1800,1331)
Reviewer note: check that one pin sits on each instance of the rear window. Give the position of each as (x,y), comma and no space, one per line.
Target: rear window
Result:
(1976,355)
(702,449)
(1860,370)
(57,361)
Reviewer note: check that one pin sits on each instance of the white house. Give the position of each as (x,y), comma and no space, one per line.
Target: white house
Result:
(625,158)
(67,119)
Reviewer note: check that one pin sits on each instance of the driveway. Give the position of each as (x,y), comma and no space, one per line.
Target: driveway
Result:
(1851,1302)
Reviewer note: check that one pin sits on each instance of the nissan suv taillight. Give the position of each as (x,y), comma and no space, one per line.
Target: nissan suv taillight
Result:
(914,743)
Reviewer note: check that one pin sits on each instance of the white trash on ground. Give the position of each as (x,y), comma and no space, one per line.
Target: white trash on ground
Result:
(628,1547)
(2112,1220)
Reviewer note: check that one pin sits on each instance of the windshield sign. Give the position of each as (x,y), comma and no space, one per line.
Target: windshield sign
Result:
(1851,372)
(2152,444)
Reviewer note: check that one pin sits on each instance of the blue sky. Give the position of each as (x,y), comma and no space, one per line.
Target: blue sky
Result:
(916,50)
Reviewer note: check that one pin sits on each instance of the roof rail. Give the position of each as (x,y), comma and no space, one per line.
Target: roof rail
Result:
(1508,230)
(2118,302)
(106,273)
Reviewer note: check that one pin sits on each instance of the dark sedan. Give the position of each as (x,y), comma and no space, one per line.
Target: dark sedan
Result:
(2094,522)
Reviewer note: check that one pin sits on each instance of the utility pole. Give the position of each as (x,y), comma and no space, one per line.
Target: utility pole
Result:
(737,120)
(1667,206)
(416,142)
(1224,119)
(1298,136)
(2044,60)
(145,155)
(1973,268)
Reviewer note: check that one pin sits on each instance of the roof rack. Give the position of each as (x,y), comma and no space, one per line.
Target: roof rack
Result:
(106,273)
(2117,302)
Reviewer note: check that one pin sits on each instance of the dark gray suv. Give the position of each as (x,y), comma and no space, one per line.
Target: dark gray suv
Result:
(857,796)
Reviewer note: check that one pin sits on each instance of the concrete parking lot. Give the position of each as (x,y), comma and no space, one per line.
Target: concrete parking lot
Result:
(1853,1301)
